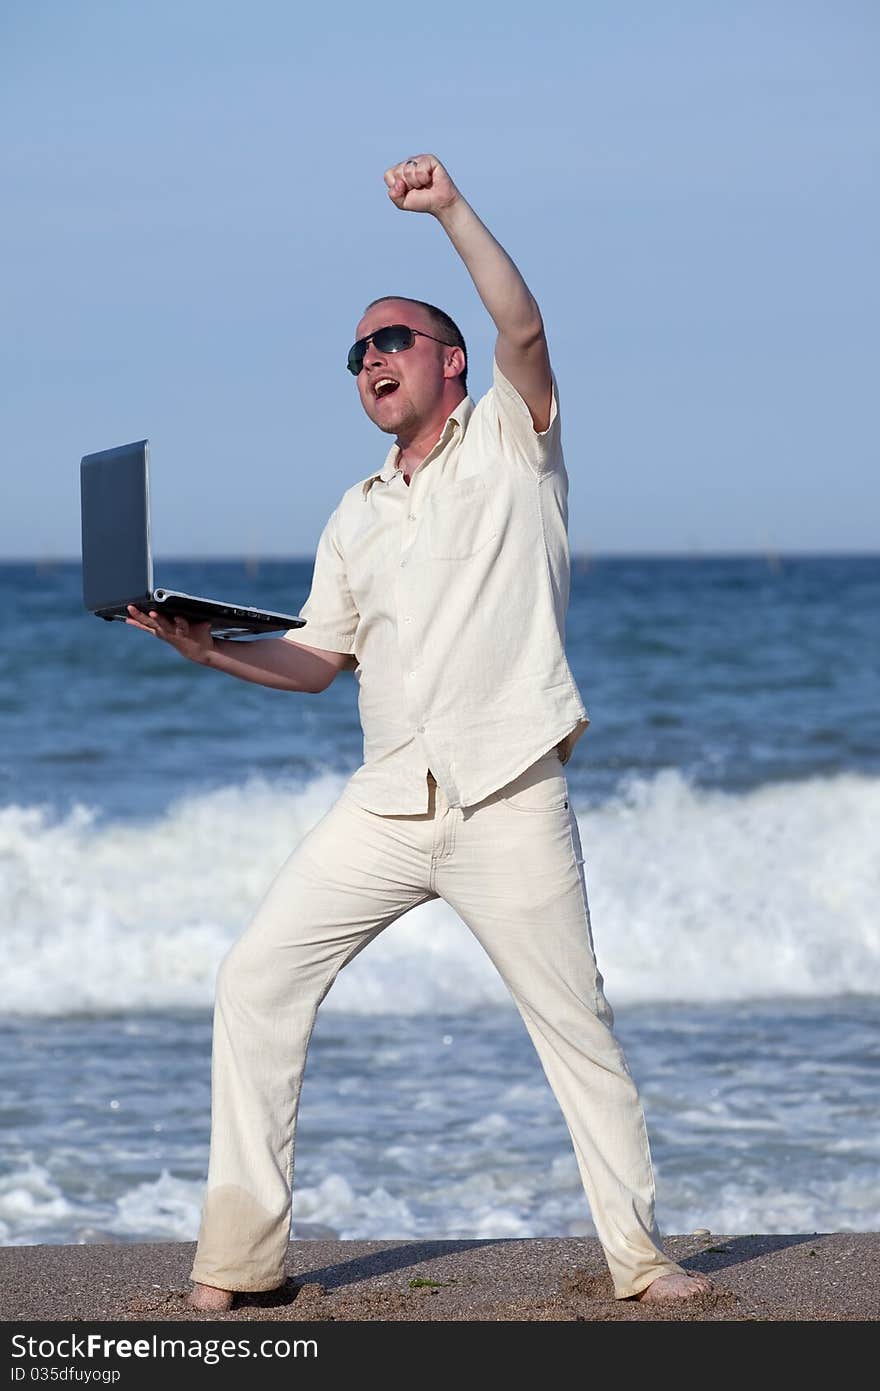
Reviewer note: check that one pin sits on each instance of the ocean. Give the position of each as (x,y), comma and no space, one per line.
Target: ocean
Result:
(728,798)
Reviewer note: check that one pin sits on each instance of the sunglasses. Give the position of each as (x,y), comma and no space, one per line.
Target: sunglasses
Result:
(396,338)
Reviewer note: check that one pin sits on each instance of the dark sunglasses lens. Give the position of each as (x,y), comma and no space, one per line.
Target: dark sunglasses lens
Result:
(356,356)
(393,339)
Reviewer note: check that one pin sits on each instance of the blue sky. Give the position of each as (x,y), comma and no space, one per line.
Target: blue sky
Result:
(194,217)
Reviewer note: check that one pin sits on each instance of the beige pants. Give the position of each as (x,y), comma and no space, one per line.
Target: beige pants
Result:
(512,868)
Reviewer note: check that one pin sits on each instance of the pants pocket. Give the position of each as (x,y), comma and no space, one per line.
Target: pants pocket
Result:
(540,789)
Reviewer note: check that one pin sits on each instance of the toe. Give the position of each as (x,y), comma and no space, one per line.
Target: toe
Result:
(675,1286)
(207,1297)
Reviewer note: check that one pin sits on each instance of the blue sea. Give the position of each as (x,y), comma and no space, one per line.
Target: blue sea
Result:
(728,797)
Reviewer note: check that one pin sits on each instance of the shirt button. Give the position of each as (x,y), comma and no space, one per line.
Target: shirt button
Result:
(407,620)
(420,729)
(412,516)
(412,673)
(402,564)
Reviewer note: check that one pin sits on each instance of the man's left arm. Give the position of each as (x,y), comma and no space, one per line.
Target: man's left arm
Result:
(423,185)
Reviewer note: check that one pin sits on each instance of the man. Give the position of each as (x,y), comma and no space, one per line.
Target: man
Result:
(444,578)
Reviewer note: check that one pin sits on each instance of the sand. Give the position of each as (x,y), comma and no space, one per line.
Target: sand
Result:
(823,1277)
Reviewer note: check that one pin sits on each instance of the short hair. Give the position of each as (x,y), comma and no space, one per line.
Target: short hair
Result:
(447,328)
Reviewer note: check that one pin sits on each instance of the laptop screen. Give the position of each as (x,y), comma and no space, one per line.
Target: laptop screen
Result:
(114,491)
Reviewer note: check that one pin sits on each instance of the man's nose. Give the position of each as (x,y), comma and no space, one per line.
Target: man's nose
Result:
(372,353)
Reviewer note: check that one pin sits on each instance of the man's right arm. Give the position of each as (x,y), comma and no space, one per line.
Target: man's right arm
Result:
(284,666)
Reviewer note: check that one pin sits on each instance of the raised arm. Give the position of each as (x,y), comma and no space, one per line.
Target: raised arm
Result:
(285,666)
(423,185)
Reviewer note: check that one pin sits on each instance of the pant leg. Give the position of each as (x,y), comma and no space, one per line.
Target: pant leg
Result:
(349,878)
(514,874)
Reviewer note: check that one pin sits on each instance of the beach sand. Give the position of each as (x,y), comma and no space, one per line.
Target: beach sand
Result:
(798,1277)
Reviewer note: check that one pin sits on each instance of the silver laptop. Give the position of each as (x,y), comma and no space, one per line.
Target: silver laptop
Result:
(117,562)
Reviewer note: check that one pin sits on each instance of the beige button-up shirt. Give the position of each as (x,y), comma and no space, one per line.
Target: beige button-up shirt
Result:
(451,593)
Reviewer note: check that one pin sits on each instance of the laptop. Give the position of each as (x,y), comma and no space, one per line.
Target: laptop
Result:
(117,562)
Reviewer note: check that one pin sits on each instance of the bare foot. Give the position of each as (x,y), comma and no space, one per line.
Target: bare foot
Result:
(676,1286)
(206,1297)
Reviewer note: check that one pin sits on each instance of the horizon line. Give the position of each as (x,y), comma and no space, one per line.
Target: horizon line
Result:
(692,553)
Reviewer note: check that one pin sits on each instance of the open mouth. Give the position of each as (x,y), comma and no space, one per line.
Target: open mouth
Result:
(384,386)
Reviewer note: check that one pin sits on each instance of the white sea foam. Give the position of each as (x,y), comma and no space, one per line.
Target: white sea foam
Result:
(31,1204)
(815,1206)
(486,1204)
(166,1210)
(696,895)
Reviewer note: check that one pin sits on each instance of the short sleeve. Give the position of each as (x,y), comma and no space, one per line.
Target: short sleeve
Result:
(542,452)
(330,613)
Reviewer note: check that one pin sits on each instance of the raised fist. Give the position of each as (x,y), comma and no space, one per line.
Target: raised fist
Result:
(421,185)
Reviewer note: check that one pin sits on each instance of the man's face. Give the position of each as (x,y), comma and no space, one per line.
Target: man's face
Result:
(400,390)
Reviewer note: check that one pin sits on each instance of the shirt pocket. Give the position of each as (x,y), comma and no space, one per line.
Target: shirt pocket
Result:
(459,520)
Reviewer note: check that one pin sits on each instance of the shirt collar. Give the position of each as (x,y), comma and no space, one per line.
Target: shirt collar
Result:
(457,421)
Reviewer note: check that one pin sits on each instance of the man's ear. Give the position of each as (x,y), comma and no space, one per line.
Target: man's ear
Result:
(454,364)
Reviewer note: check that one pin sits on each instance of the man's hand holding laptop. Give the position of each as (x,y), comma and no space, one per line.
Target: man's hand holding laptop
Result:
(191,640)
(284,666)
